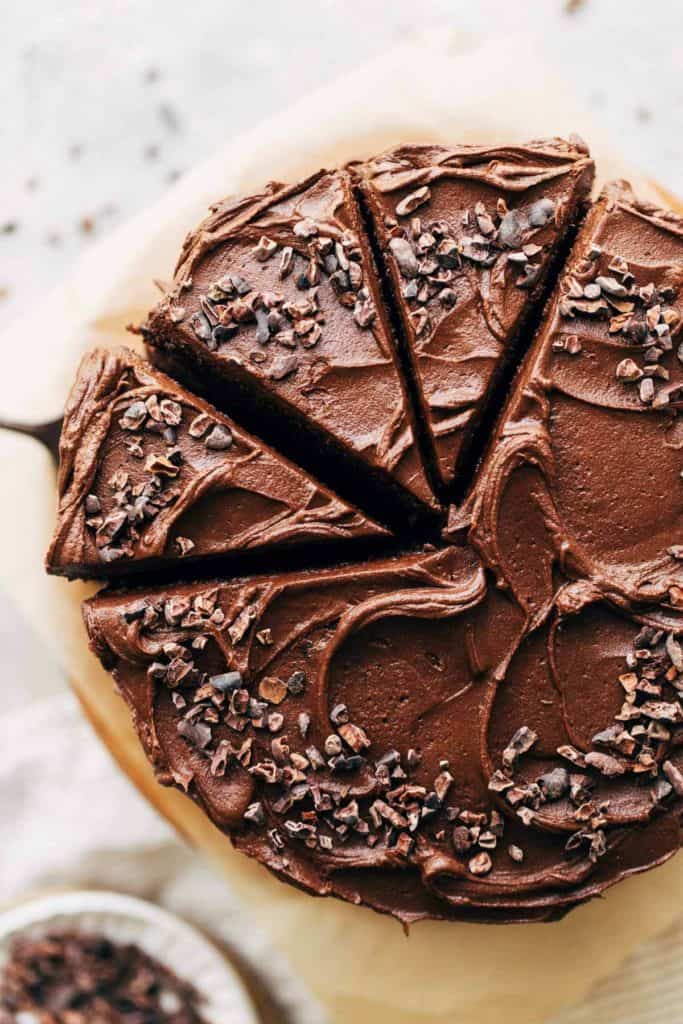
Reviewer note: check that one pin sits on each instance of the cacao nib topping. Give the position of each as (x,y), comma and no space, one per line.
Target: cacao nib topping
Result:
(430,255)
(635,744)
(283,318)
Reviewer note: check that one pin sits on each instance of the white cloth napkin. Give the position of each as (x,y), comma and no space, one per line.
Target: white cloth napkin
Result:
(359,964)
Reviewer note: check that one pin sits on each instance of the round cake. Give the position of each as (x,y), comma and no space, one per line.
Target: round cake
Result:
(394,518)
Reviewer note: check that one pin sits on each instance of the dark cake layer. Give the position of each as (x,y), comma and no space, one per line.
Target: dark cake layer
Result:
(466,236)
(150,474)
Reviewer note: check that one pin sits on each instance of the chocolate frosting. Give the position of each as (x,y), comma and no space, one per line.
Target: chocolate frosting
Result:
(466,236)
(277,293)
(150,473)
(383,702)
(488,729)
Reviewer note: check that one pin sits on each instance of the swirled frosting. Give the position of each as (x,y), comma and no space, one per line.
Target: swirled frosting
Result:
(489,728)
(150,474)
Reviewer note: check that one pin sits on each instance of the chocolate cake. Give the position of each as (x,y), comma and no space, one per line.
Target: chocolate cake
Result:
(486,726)
(466,236)
(151,474)
(276,308)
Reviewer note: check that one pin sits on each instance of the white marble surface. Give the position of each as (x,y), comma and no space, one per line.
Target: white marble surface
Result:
(106,100)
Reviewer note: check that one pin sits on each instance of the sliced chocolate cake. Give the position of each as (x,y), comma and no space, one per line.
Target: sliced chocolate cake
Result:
(151,474)
(403,736)
(466,236)
(584,473)
(485,728)
(276,310)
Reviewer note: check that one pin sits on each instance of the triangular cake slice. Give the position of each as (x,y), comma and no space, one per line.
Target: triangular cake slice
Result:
(276,308)
(467,236)
(150,474)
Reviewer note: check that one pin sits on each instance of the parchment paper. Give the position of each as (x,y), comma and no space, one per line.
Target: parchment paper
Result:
(439,88)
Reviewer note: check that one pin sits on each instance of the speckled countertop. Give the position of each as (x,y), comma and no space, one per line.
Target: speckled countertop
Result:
(110,99)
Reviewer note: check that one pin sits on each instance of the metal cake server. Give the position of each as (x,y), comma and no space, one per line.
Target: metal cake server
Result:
(46,433)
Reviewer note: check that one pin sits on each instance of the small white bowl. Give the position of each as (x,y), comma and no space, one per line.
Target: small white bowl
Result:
(171,941)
